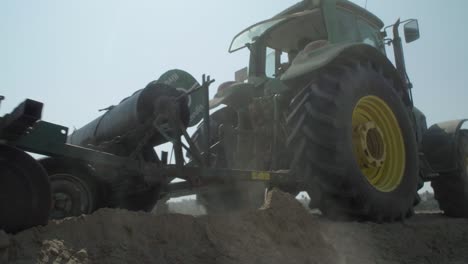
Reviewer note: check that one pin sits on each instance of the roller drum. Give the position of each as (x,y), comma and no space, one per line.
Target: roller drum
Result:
(127,119)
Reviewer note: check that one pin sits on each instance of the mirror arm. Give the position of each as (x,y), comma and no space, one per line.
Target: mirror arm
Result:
(398,53)
(388,41)
(400,59)
(277,62)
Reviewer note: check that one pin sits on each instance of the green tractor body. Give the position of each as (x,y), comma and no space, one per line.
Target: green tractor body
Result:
(320,98)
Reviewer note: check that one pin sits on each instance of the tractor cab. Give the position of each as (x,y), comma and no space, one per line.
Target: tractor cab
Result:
(303,31)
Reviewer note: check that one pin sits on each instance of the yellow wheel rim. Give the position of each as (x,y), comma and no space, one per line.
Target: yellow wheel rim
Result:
(378,143)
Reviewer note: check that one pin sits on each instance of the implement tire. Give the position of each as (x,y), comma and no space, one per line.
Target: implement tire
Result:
(354,144)
(451,190)
(25,197)
(73,194)
(74,191)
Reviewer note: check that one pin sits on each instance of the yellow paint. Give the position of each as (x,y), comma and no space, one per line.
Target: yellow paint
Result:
(386,174)
(261,175)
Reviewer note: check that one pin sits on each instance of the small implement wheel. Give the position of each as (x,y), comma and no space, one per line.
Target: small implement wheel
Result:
(72,195)
(451,190)
(353,143)
(24,191)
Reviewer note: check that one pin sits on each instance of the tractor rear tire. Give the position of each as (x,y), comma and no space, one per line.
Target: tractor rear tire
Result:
(451,190)
(25,198)
(354,145)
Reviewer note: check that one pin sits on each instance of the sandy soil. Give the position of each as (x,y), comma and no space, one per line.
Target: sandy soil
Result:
(280,232)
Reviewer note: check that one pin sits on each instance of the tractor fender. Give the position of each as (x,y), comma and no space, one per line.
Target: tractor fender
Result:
(311,60)
(439,145)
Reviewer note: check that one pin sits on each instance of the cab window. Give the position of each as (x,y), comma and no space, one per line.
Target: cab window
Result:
(370,34)
(276,66)
(270,64)
(285,40)
(346,26)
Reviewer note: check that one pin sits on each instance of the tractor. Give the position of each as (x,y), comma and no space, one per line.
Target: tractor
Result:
(321,99)
(320,108)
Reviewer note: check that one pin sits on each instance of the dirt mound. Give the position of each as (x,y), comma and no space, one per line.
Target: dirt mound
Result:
(282,231)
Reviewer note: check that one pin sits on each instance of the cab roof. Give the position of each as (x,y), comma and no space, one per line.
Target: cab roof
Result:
(310,4)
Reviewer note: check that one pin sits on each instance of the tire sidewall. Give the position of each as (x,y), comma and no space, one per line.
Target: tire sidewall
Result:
(26,197)
(75,188)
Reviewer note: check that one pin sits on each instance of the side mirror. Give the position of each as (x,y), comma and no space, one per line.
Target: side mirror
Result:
(411,29)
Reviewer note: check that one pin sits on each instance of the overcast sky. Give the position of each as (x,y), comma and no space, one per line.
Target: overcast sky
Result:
(80,56)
